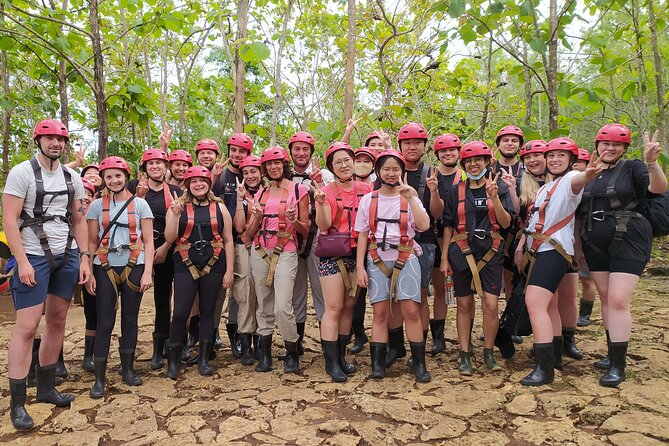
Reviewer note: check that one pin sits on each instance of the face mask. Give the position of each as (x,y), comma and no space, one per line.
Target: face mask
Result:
(479,176)
(362,170)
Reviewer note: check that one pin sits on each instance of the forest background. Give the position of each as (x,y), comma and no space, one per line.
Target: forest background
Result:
(118,71)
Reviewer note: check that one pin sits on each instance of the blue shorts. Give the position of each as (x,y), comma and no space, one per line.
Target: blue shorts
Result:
(60,283)
(408,283)
(426,263)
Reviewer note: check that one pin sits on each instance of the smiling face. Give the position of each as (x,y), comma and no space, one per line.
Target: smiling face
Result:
(274,169)
(236,155)
(475,165)
(251,176)
(391,171)
(557,161)
(156,169)
(88,198)
(412,149)
(52,145)
(342,164)
(509,145)
(448,157)
(376,145)
(93,175)
(179,169)
(114,179)
(301,153)
(206,158)
(610,151)
(535,163)
(198,187)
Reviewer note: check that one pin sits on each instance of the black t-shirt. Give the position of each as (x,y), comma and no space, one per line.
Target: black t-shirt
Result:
(414,178)
(445,184)
(156,201)
(632,183)
(226,189)
(516,168)
(200,253)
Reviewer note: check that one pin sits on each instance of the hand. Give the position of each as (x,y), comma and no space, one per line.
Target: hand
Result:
(405,190)
(493,158)
(518,259)
(350,125)
(145,282)
(228,279)
(385,140)
(580,260)
(361,277)
(493,189)
(80,154)
(27,274)
(91,285)
(594,166)
(176,206)
(319,195)
(432,182)
(444,267)
(652,150)
(219,167)
(84,270)
(508,178)
(291,210)
(142,186)
(256,209)
(241,190)
(160,254)
(165,137)
(316,176)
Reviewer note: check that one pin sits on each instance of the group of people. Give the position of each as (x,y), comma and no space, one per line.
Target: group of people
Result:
(378,224)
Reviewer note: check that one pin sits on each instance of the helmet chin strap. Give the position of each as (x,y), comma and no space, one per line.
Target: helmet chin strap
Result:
(504,155)
(390,184)
(450,165)
(567,169)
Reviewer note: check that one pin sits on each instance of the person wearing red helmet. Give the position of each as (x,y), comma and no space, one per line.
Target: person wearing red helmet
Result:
(509,140)
(45,228)
(548,241)
(180,161)
(616,237)
(200,224)
(92,173)
(90,307)
(387,222)
(278,213)
(476,213)
(120,232)
(363,168)
(207,152)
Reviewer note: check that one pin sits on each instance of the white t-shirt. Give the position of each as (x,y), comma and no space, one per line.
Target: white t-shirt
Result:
(563,202)
(21,183)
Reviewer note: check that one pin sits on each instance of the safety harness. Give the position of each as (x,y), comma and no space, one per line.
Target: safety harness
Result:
(244,237)
(185,245)
(36,222)
(462,236)
(305,243)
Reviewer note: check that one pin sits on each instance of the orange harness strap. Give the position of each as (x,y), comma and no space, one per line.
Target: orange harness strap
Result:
(184,244)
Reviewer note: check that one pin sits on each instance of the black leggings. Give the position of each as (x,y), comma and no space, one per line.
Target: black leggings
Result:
(163,276)
(90,310)
(360,305)
(185,289)
(106,305)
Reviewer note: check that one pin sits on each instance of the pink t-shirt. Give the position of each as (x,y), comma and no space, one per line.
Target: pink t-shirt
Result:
(349,202)
(388,208)
(268,241)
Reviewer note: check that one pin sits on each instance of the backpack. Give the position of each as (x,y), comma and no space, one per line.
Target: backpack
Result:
(657,213)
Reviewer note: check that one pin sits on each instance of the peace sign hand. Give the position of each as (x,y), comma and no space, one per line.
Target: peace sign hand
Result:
(493,188)
(291,210)
(385,140)
(219,167)
(165,137)
(316,175)
(256,209)
(241,190)
(493,158)
(319,195)
(594,166)
(350,125)
(142,186)
(508,178)
(80,154)
(405,190)
(653,150)
(432,182)
(176,206)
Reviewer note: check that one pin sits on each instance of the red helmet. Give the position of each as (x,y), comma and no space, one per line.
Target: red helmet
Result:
(474,148)
(336,147)
(389,153)
(534,146)
(197,171)
(510,130)
(615,133)
(114,162)
(50,127)
(274,153)
(302,137)
(88,185)
(181,155)
(374,134)
(207,144)
(447,141)
(412,131)
(249,161)
(154,154)
(241,140)
(90,166)
(583,155)
(562,144)
(367,151)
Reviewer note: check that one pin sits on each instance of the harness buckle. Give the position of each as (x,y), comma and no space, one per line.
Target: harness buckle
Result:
(482,233)
(199,245)
(598,215)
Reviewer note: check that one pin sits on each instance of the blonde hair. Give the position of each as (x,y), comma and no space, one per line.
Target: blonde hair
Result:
(529,186)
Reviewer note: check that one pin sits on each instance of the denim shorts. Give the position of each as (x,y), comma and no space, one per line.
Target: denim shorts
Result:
(408,283)
(60,283)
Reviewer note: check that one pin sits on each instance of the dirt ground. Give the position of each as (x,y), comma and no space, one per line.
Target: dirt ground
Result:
(240,407)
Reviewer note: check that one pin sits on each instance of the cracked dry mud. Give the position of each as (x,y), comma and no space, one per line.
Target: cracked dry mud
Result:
(240,407)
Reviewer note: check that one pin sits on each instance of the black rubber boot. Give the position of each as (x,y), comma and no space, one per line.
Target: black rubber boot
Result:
(396,347)
(292,362)
(465,368)
(361,338)
(418,355)
(378,353)
(61,371)
(331,355)
(203,358)
(569,344)
(87,363)
(489,360)
(193,331)
(234,342)
(346,367)
(21,420)
(584,313)
(300,338)
(410,360)
(257,352)
(46,387)
(158,347)
(543,370)
(100,370)
(438,342)
(34,362)
(605,362)
(265,363)
(218,342)
(616,373)
(558,343)
(247,355)
(174,359)
(127,363)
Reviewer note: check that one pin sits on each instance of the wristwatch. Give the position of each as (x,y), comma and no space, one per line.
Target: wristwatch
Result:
(84,253)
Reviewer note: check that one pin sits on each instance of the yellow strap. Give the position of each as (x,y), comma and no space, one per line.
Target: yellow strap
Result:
(351,286)
(476,278)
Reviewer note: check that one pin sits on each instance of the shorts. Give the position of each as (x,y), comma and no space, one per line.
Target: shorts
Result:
(408,283)
(437,255)
(60,283)
(426,260)
(327,266)
(491,278)
(549,269)
(602,262)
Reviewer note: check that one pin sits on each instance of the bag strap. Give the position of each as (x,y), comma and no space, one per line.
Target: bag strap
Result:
(115,219)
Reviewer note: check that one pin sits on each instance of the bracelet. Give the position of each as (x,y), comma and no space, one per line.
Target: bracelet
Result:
(84,253)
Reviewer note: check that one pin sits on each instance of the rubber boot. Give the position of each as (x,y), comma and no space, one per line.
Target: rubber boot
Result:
(193,331)
(61,371)
(543,370)
(174,359)
(569,344)
(605,362)
(21,420)
(292,362)
(438,342)
(410,360)
(465,368)
(34,362)
(378,353)
(418,355)
(346,367)
(361,338)
(247,355)
(584,313)
(203,358)
(265,363)
(212,350)
(158,346)
(127,362)
(616,373)
(300,338)
(185,351)
(100,370)
(46,387)
(257,352)
(331,355)
(87,363)
(234,342)
(489,360)
(396,347)
(558,344)
(471,331)
(218,342)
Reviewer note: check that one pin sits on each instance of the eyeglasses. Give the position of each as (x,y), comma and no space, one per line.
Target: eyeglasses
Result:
(347,161)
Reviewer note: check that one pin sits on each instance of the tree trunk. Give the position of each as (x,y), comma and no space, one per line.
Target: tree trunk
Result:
(528,88)
(349,90)
(163,81)
(662,122)
(240,68)
(642,92)
(6,112)
(486,99)
(98,81)
(278,94)
(551,69)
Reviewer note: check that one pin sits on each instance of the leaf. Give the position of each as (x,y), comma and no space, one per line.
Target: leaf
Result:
(137,89)
(468,34)
(564,89)
(6,43)
(456,8)
(526,8)
(254,52)
(538,45)
(629,91)
(559,132)
(496,8)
